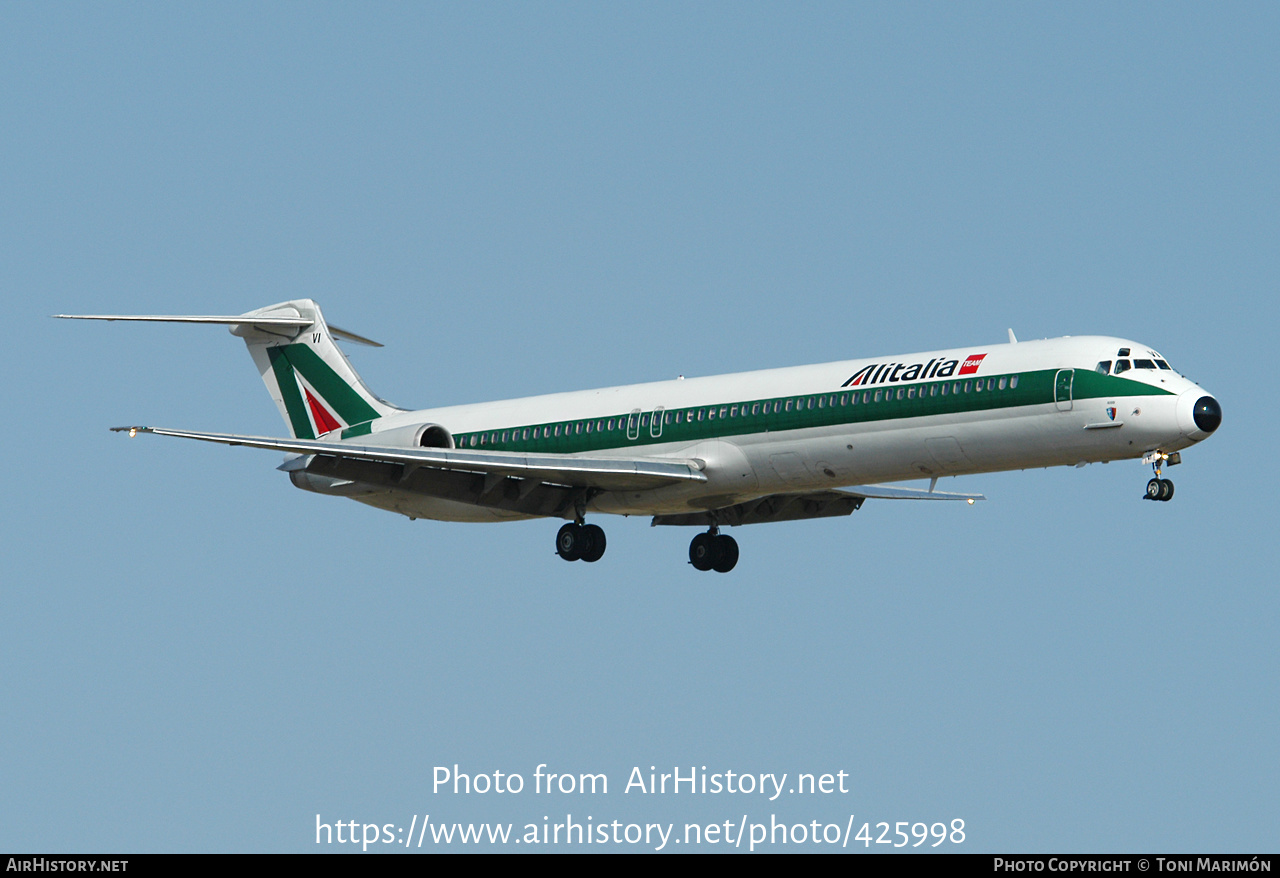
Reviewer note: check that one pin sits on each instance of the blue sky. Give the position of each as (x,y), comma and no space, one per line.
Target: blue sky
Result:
(519,199)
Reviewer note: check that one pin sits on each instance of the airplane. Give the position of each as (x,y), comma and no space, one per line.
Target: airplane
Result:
(728,450)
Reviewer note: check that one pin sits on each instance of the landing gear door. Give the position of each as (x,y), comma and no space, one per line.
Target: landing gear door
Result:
(1062,389)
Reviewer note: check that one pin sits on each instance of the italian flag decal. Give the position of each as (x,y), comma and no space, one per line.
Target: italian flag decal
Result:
(320,415)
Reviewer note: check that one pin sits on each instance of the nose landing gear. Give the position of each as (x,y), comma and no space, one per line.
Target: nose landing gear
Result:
(1158,488)
(713,551)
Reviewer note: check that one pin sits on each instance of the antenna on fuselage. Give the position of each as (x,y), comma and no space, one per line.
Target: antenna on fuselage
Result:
(1013,339)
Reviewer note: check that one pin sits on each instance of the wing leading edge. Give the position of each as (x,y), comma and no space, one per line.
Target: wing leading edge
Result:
(603,473)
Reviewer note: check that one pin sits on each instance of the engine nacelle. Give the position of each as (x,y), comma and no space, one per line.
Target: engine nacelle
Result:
(413,436)
(318,484)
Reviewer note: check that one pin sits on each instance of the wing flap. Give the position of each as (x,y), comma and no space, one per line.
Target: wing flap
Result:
(774,507)
(530,496)
(893,492)
(812,504)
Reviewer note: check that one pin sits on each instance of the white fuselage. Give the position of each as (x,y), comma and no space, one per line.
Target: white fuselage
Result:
(1036,404)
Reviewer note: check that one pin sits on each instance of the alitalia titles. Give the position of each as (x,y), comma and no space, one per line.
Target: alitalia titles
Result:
(889,373)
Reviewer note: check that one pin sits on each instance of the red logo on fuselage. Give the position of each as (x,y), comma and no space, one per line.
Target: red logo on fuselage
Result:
(971,364)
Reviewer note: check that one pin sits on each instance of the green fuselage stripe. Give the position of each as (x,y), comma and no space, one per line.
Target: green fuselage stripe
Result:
(880,402)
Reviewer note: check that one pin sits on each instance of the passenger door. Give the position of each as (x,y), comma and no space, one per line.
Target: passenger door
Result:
(1062,389)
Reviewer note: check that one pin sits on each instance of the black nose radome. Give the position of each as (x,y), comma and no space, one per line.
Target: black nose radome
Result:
(1207,414)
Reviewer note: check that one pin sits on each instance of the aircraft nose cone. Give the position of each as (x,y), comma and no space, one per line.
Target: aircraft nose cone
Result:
(1207,414)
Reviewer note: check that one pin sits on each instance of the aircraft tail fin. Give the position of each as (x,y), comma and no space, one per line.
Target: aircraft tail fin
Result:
(308,376)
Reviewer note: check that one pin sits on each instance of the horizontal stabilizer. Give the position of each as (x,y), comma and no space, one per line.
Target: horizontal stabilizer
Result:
(293,322)
(234,320)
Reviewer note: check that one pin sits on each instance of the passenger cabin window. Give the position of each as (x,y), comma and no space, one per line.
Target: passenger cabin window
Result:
(1122,366)
(1104,366)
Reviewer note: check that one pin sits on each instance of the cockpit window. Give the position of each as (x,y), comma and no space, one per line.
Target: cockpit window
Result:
(1143,364)
(1163,365)
(1123,352)
(1104,367)
(1122,366)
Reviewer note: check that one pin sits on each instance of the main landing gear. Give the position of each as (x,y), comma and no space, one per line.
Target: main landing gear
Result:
(577,541)
(713,551)
(1158,488)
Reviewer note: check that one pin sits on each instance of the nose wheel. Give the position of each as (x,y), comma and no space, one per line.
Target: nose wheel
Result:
(1158,488)
(713,551)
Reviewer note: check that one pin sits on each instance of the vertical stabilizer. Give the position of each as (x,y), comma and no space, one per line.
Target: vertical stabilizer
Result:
(307,375)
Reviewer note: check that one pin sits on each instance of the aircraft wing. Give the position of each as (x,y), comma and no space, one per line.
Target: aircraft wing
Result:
(810,504)
(335,458)
(540,485)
